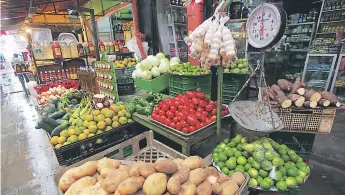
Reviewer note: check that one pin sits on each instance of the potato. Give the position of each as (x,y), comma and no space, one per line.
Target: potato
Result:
(105,171)
(117,193)
(211,171)
(187,189)
(147,169)
(81,183)
(182,173)
(167,166)
(67,178)
(205,188)
(107,163)
(197,176)
(174,185)
(93,190)
(139,192)
(87,169)
(130,185)
(193,162)
(134,170)
(212,179)
(223,178)
(217,188)
(178,161)
(155,184)
(229,187)
(238,177)
(124,167)
(114,178)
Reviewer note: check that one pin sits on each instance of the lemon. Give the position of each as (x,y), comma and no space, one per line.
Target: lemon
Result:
(100,117)
(115,124)
(72,139)
(64,133)
(116,109)
(108,121)
(109,114)
(82,136)
(71,132)
(54,140)
(121,113)
(71,127)
(92,123)
(112,107)
(101,125)
(108,128)
(86,132)
(91,135)
(93,129)
(122,107)
(88,118)
(130,121)
(66,143)
(128,115)
(123,120)
(96,112)
(85,123)
(61,140)
(104,110)
(58,146)
(116,118)
(99,132)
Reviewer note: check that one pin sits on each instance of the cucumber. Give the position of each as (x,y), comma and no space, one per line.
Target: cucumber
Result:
(65,117)
(51,122)
(49,110)
(41,124)
(58,129)
(60,121)
(57,115)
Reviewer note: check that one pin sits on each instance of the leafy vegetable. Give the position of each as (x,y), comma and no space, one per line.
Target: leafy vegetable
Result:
(155,72)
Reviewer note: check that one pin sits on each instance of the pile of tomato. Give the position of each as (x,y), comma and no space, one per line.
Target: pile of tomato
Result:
(188,112)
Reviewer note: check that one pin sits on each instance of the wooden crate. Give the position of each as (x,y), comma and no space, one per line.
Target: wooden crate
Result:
(318,120)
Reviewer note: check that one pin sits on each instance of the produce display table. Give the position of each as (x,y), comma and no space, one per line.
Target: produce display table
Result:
(185,141)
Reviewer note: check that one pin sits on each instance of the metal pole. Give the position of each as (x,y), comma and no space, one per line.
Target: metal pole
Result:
(220,71)
(95,34)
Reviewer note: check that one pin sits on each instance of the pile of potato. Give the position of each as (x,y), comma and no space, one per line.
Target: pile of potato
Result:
(165,176)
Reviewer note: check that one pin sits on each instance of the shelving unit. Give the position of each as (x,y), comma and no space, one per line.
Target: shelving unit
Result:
(177,43)
(296,38)
(338,83)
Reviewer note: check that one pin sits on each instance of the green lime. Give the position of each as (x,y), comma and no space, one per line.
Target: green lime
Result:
(301,164)
(291,182)
(263,173)
(253,173)
(222,157)
(305,169)
(240,168)
(264,184)
(237,154)
(222,145)
(231,164)
(256,164)
(285,157)
(243,140)
(230,173)
(215,154)
(294,157)
(226,141)
(221,164)
(282,170)
(216,159)
(248,148)
(232,144)
(299,180)
(252,183)
(302,174)
(292,172)
(291,152)
(239,147)
(259,179)
(229,153)
(279,176)
(251,159)
(269,155)
(237,139)
(281,185)
(277,161)
(241,160)
(269,180)
(300,159)
(225,170)
(247,166)
(245,154)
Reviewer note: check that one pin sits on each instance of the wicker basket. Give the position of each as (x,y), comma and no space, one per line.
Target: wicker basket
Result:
(142,147)
(318,120)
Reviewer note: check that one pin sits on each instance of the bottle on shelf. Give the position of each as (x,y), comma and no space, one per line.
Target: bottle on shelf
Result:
(68,76)
(66,50)
(106,47)
(120,45)
(86,48)
(81,51)
(56,50)
(116,46)
(43,79)
(59,75)
(111,47)
(63,74)
(101,46)
(91,48)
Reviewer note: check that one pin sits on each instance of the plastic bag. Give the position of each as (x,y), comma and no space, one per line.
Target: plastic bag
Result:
(133,47)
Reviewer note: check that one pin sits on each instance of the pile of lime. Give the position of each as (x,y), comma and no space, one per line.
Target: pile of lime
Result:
(188,69)
(257,159)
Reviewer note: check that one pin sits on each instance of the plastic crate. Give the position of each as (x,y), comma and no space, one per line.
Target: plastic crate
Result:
(156,85)
(120,73)
(128,71)
(72,153)
(179,84)
(141,147)
(304,120)
(287,192)
(301,143)
(125,86)
(232,84)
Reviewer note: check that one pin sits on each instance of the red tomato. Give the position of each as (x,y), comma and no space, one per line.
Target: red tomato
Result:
(165,107)
(207,121)
(177,103)
(172,125)
(153,116)
(155,112)
(200,95)
(195,101)
(178,126)
(173,109)
(192,128)
(223,113)
(191,120)
(160,104)
(180,108)
(204,113)
(191,110)
(203,118)
(182,116)
(170,114)
(167,121)
(200,109)
(202,124)
(224,107)
(202,103)
(185,130)
(161,113)
(184,123)
(209,108)
(190,94)
(213,118)
(175,120)
(198,125)
(214,111)
(198,115)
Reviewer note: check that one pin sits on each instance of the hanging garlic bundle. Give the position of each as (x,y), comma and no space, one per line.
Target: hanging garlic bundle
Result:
(212,40)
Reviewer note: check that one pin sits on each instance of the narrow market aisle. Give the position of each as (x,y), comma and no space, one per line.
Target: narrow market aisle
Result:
(28,162)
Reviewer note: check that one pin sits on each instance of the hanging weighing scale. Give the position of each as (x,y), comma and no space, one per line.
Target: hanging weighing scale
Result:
(265,27)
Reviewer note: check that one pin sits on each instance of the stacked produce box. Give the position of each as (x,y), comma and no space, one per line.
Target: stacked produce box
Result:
(106,79)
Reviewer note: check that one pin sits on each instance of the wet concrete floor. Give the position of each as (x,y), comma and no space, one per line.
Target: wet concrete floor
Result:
(28,162)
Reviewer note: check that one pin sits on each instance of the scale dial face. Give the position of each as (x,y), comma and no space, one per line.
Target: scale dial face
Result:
(264,25)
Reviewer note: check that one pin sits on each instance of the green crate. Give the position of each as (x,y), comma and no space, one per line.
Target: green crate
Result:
(232,84)
(301,143)
(179,84)
(156,85)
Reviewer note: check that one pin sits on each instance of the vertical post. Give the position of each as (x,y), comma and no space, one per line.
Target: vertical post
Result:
(220,71)
(95,34)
